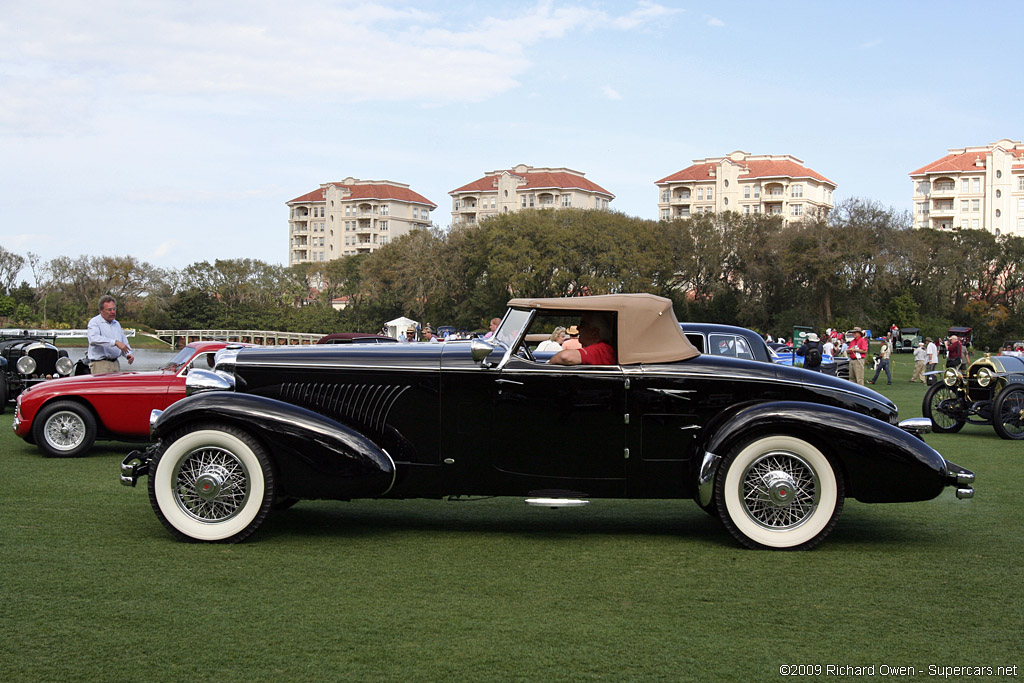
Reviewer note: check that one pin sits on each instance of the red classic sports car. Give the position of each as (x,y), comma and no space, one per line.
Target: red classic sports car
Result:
(63,417)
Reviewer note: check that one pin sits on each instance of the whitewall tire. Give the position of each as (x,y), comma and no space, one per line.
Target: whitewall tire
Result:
(211,483)
(780,492)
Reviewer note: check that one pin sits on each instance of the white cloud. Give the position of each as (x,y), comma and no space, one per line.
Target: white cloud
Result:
(714,21)
(61,59)
(646,13)
(871,44)
(164,248)
(610,93)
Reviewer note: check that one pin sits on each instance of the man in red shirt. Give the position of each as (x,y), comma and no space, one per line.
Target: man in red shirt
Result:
(595,331)
(857,351)
(955,353)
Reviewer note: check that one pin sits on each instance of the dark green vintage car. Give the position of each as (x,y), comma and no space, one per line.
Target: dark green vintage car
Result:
(990,393)
(26,360)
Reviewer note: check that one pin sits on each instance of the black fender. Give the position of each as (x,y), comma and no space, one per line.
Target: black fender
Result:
(881,462)
(315,456)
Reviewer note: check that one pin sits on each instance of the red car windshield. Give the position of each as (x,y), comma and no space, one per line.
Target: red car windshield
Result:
(180,358)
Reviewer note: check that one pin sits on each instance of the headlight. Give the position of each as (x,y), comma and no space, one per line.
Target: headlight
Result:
(26,365)
(199,381)
(951,377)
(984,377)
(64,366)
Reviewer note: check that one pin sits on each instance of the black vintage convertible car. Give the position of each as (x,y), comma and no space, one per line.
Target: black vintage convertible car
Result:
(773,451)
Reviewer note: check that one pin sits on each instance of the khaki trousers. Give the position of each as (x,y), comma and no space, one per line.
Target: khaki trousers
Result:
(918,371)
(857,371)
(102,367)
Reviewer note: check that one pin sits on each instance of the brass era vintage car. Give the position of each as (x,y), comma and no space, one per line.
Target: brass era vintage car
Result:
(991,393)
(772,451)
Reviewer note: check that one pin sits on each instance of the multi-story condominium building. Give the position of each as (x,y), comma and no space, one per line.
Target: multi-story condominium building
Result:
(352,217)
(525,187)
(975,188)
(742,182)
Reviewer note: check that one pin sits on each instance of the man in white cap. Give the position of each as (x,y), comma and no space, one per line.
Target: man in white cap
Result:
(811,350)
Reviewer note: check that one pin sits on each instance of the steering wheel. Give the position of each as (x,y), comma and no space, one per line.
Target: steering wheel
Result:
(524,352)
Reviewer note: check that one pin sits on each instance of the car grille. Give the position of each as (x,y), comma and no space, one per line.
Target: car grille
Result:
(977,392)
(46,361)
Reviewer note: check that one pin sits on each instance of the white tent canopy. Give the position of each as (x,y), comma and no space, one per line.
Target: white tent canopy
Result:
(398,326)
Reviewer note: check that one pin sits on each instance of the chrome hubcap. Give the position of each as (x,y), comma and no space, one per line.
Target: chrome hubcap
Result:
(211,484)
(780,487)
(780,491)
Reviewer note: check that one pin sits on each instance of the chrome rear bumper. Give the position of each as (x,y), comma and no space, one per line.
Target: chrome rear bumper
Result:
(961,478)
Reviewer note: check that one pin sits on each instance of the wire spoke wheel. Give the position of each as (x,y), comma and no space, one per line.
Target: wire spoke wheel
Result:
(778,491)
(211,485)
(211,482)
(1008,413)
(941,403)
(64,430)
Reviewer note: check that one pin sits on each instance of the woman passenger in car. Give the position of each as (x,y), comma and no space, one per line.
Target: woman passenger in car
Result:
(554,342)
(595,333)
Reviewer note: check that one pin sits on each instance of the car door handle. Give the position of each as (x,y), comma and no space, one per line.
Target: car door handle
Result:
(676,393)
(508,381)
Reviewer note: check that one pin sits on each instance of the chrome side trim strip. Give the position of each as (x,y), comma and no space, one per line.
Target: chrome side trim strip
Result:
(394,473)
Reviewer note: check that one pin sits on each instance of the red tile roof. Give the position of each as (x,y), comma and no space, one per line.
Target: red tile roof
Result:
(766,168)
(954,163)
(965,160)
(537,180)
(316,195)
(368,191)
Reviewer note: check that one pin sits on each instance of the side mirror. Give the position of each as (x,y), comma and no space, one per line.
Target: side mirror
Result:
(480,351)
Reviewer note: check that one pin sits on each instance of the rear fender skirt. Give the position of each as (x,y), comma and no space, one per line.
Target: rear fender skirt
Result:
(315,456)
(881,462)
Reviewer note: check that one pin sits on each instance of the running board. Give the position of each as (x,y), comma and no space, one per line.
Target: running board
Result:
(555,503)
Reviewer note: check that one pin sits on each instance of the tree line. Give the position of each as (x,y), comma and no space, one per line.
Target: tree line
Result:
(859,264)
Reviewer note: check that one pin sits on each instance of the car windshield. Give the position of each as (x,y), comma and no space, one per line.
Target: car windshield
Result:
(179,358)
(511,327)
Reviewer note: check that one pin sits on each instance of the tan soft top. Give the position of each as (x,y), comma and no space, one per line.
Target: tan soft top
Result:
(648,331)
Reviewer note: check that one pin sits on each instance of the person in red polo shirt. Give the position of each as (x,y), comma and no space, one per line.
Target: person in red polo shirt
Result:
(857,351)
(595,331)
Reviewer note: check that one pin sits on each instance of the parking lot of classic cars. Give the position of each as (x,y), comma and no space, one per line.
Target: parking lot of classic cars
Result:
(772,451)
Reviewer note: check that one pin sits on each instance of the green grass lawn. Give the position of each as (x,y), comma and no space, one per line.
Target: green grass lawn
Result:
(94,588)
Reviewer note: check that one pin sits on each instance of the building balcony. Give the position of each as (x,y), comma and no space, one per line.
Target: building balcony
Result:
(943,191)
(943,210)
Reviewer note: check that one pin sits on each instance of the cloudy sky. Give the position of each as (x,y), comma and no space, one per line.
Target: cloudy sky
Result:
(176,131)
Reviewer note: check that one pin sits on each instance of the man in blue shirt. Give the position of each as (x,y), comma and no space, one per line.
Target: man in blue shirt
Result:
(107,342)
